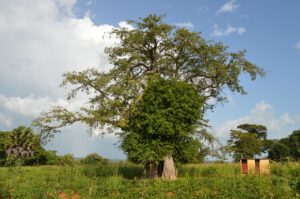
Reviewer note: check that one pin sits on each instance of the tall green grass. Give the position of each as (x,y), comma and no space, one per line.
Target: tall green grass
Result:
(123,180)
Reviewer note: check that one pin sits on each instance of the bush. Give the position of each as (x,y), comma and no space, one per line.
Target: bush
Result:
(43,157)
(67,159)
(93,159)
(294,181)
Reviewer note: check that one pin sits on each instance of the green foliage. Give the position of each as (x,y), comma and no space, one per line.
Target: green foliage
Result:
(286,148)
(279,152)
(294,144)
(94,171)
(250,140)
(259,130)
(93,159)
(126,170)
(48,158)
(164,121)
(67,159)
(245,146)
(3,138)
(22,146)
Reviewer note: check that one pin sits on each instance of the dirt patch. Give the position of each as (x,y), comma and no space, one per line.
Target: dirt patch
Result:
(72,196)
(170,194)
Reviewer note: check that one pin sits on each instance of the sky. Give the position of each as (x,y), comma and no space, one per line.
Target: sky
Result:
(42,39)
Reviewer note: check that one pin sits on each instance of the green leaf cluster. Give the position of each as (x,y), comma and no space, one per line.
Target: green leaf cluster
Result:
(285,148)
(94,159)
(164,121)
(248,141)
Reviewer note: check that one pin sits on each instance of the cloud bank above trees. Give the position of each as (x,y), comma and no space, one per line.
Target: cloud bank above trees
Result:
(40,40)
(265,114)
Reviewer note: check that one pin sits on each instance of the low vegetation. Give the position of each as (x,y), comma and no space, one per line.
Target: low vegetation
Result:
(124,180)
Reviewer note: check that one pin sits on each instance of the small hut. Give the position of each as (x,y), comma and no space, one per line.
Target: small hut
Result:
(255,166)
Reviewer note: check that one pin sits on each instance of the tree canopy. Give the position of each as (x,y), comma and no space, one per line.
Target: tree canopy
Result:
(246,142)
(21,143)
(279,152)
(151,49)
(94,158)
(288,147)
(258,130)
(164,121)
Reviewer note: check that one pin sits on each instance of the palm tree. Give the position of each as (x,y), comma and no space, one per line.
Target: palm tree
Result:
(21,144)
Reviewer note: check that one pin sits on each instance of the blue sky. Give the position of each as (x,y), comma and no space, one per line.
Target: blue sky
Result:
(42,39)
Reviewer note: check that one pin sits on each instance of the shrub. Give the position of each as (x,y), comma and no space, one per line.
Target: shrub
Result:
(93,159)
(67,159)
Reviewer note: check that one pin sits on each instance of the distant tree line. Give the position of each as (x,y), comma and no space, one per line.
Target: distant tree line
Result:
(250,140)
(22,146)
(286,148)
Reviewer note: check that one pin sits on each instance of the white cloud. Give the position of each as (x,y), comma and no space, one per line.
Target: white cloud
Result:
(39,43)
(230,6)
(15,111)
(28,106)
(124,24)
(78,142)
(40,40)
(218,32)
(298,45)
(32,106)
(4,120)
(188,25)
(263,113)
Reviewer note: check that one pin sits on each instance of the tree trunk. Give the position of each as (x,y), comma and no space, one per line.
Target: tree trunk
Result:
(169,171)
(151,170)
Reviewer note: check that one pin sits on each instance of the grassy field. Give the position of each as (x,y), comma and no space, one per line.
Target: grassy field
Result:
(125,181)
